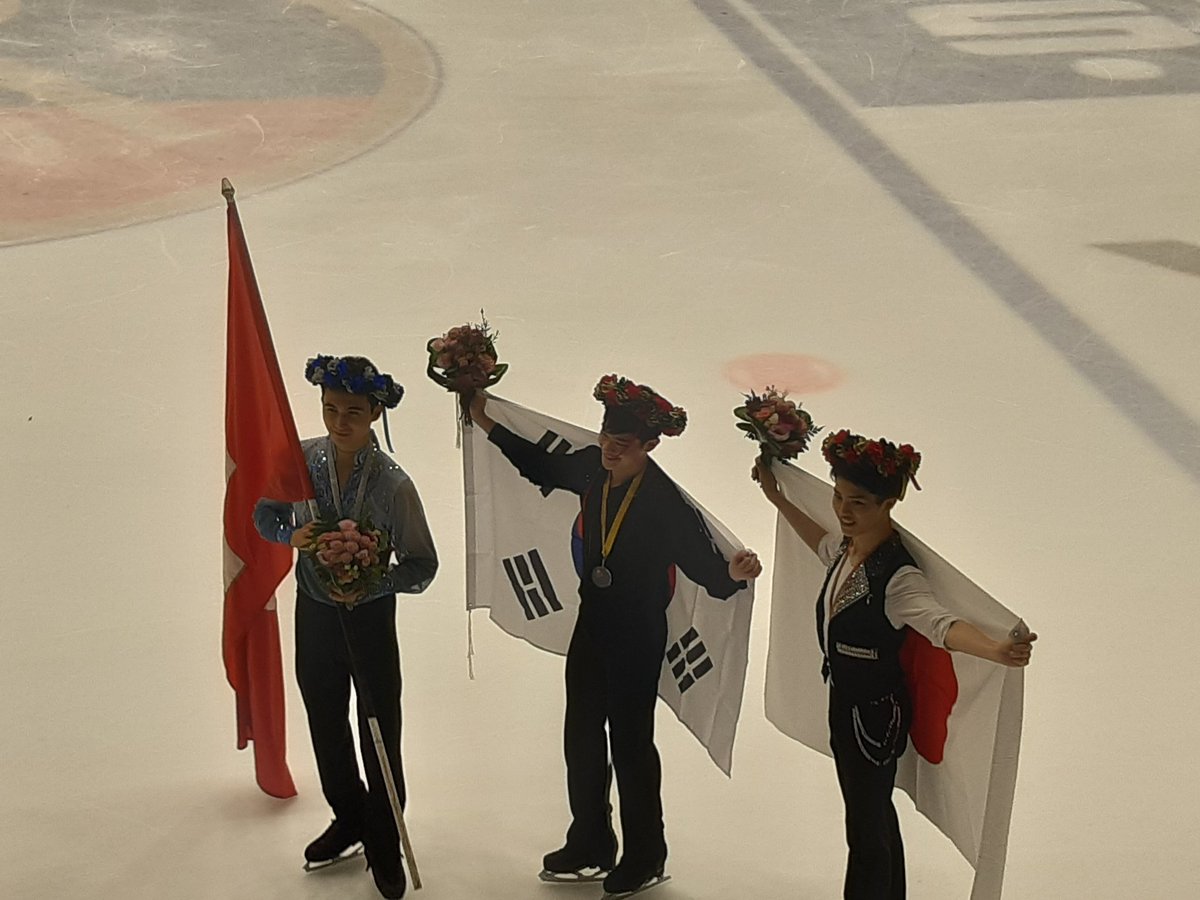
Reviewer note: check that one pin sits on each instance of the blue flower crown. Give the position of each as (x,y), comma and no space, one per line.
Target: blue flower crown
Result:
(335,372)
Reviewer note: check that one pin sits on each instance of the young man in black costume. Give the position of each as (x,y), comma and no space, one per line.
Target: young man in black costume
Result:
(636,526)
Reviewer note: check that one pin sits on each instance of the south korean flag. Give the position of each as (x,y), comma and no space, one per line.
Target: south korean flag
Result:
(521,546)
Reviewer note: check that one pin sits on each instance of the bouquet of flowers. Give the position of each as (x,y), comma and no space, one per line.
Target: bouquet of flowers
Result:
(780,426)
(463,360)
(350,556)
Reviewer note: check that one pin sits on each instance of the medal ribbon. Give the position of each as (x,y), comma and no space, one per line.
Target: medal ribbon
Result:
(608,538)
(361,494)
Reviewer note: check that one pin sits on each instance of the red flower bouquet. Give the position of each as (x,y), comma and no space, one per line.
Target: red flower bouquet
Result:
(350,556)
(780,426)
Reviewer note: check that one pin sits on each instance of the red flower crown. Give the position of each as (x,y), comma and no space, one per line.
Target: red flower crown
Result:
(643,402)
(885,457)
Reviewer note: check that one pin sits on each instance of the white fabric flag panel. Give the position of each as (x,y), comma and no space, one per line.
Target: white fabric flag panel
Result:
(968,794)
(520,566)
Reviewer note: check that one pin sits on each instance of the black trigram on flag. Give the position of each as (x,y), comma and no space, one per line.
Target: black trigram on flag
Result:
(531,583)
(689,660)
(548,442)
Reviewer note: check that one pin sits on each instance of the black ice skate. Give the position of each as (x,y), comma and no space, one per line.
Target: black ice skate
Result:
(626,880)
(337,843)
(388,872)
(571,866)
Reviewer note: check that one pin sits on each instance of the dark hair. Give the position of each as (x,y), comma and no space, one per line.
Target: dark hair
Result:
(618,420)
(866,476)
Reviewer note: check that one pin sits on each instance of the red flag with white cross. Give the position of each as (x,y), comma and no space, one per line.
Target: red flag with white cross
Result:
(262,459)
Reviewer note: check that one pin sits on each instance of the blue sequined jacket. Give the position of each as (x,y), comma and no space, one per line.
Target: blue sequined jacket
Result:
(389,501)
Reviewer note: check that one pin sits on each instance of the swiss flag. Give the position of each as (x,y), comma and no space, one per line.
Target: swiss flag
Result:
(961,764)
(262,459)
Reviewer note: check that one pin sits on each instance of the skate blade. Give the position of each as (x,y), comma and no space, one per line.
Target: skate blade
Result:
(350,853)
(589,875)
(649,885)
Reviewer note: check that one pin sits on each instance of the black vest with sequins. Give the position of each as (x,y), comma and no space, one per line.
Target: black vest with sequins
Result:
(863,660)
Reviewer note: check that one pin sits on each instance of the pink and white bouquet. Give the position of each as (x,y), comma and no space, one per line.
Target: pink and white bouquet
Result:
(780,426)
(351,557)
(464,360)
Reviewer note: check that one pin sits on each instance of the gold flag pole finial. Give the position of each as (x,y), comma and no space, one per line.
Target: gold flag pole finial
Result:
(227,190)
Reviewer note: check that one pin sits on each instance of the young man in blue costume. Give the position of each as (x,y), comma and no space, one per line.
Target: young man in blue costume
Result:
(636,526)
(353,479)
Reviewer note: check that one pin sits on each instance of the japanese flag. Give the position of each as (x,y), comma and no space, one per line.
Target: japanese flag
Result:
(521,567)
(960,767)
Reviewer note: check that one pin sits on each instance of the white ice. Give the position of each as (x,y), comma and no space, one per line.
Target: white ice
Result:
(623,190)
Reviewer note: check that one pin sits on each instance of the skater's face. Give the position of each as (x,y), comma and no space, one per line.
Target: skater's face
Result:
(348,418)
(858,510)
(624,453)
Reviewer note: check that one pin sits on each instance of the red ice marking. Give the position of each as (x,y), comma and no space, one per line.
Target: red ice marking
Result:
(795,373)
(933,686)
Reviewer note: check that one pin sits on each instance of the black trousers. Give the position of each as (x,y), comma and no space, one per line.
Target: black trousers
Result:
(866,740)
(323,670)
(612,677)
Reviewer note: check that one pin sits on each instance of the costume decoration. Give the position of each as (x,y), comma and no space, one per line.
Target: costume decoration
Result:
(335,372)
(880,456)
(646,404)
(780,426)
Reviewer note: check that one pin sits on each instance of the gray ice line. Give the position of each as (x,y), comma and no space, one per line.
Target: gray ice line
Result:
(1163,421)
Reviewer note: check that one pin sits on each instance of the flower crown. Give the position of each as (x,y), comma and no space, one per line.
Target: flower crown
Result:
(646,404)
(881,455)
(335,372)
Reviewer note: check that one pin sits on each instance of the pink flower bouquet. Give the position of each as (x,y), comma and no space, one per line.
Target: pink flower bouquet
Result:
(464,360)
(350,557)
(780,426)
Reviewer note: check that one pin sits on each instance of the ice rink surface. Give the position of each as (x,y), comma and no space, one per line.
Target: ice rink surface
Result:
(972,227)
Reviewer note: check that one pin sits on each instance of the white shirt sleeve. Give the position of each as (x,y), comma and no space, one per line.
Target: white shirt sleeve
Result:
(907,600)
(827,550)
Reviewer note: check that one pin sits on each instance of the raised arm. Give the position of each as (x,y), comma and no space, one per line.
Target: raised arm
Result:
(478,410)
(570,471)
(806,527)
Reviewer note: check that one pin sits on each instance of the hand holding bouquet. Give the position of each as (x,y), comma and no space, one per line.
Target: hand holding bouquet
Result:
(780,426)
(463,360)
(350,557)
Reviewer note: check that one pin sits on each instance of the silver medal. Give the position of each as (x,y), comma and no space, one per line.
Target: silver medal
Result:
(601,577)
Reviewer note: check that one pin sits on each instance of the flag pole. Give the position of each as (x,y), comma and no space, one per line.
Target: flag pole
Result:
(385,767)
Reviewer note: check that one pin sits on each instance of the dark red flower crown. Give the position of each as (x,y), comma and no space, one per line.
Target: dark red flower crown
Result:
(881,455)
(643,402)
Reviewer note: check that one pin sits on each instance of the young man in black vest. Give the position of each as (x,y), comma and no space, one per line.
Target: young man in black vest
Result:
(636,526)
(873,589)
